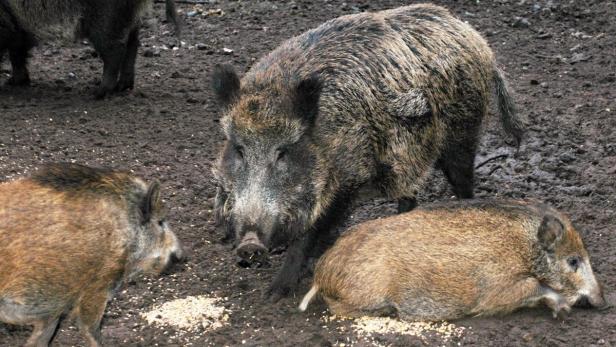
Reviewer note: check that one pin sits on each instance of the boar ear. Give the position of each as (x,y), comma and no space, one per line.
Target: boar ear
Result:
(225,83)
(307,94)
(151,202)
(550,232)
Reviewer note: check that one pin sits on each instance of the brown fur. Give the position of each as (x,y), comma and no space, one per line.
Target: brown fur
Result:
(452,260)
(69,235)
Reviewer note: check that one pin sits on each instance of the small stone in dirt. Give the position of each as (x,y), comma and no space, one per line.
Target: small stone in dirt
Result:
(528,337)
(520,22)
(578,57)
(201,46)
(72,76)
(543,84)
(544,36)
(151,52)
(227,51)
(575,48)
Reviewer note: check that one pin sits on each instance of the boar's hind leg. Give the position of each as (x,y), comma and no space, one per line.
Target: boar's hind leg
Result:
(43,332)
(127,72)
(111,46)
(457,161)
(90,312)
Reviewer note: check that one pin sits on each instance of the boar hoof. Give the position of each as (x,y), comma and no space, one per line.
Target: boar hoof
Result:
(276,292)
(125,85)
(18,81)
(560,308)
(101,93)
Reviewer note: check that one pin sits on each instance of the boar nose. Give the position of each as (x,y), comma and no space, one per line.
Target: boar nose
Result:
(583,302)
(592,302)
(178,256)
(599,302)
(251,249)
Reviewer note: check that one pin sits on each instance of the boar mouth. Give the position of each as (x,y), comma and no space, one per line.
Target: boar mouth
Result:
(586,302)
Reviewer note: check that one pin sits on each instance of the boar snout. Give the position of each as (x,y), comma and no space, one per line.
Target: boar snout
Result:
(177,256)
(585,301)
(251,249)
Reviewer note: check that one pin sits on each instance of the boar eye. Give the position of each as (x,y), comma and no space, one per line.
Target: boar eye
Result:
(574,263)
(282,153)
(239,150)
(161,223)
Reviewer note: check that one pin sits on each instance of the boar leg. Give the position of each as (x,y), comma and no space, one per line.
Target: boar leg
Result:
(90,313)
(406,204)
(43,332)
(458,164)
(313,243)
(288,277)
(108,40)
(526,293)
(18,54)
(112,60)
(556,302)
(127,72)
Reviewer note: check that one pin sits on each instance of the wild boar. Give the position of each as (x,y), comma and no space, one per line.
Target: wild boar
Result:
(69,236)
(112,26)
(364,105)
(450,260)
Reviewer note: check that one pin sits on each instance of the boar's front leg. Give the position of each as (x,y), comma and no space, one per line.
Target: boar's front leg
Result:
(43,332)
(312,244)
(406,204)
(524,293)
(288,277)
(90,313)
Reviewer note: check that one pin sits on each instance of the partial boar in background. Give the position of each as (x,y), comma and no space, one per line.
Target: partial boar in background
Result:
(69,236)
(112,26)
(450,260)
(364,105)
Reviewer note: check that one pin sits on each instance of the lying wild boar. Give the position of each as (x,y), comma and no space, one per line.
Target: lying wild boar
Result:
(364,105)
(112,26)
(457,259)
(69,236)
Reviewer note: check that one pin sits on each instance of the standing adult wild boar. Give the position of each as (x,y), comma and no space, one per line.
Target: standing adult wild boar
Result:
(69,236)
(112,26)
(363,104)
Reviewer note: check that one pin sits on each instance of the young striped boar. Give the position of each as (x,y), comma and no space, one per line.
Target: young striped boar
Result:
(112,26)
(458,259)
(69,236)
(364,105)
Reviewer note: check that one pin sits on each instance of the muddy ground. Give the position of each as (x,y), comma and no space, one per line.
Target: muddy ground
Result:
(560,57)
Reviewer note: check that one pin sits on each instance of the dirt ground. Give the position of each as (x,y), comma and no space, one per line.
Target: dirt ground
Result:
(560,57)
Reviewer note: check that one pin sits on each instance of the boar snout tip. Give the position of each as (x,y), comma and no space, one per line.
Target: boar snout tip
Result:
(588,302)
(178,257)
(251,251)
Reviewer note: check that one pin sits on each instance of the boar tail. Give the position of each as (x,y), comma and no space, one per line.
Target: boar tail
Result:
(512,123)
(308,297)
(172,16)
